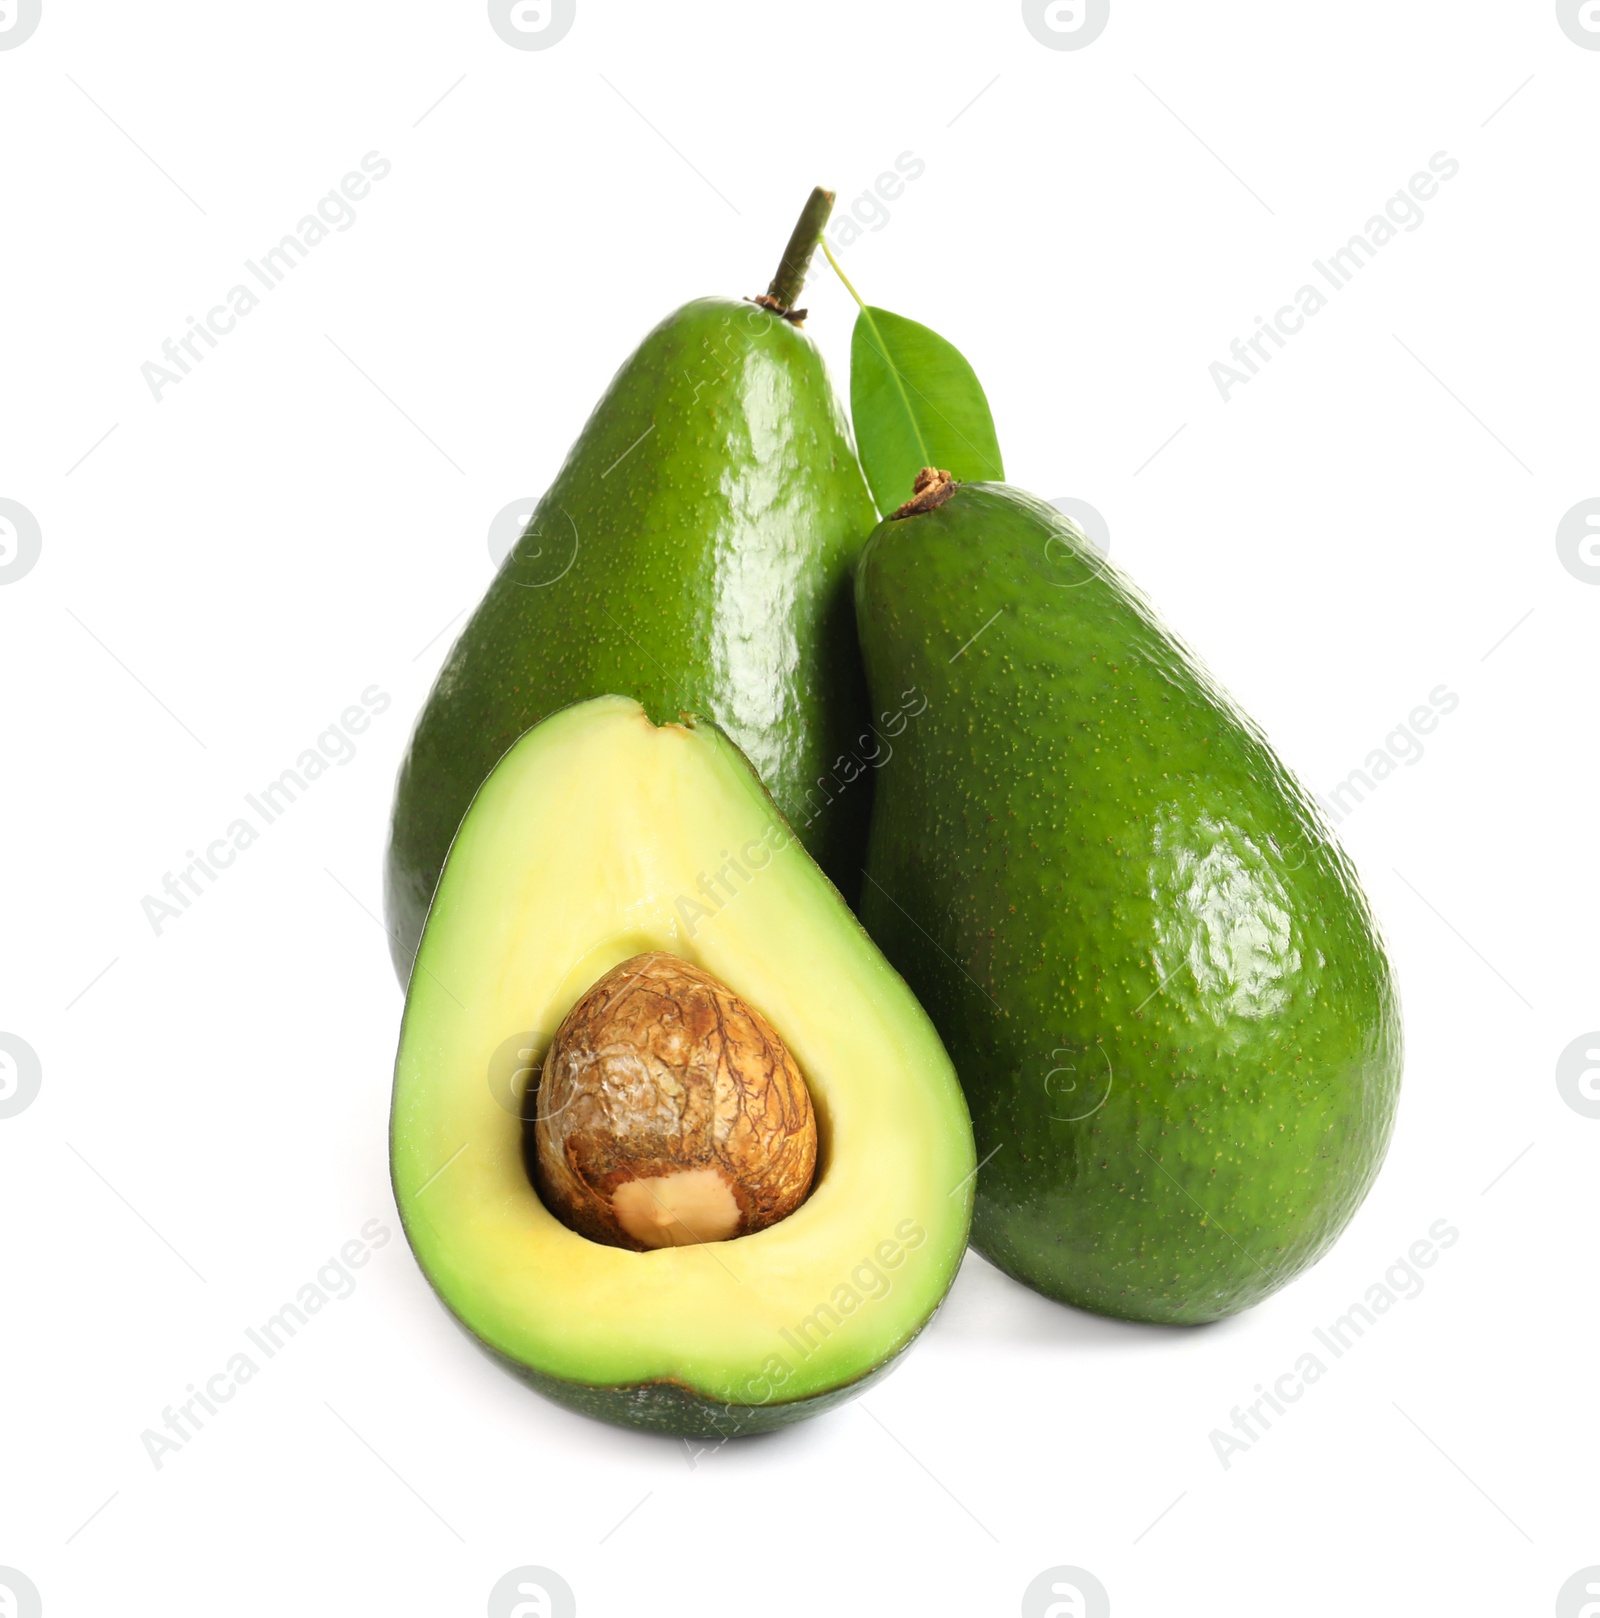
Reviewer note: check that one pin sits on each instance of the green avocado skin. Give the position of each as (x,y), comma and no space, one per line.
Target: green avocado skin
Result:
(694,553)
(677,1411)
(1154,970)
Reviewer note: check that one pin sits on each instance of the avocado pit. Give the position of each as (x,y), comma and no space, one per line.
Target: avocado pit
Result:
(670,1112)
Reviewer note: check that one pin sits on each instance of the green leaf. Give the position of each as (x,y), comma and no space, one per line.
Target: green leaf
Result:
(916,403)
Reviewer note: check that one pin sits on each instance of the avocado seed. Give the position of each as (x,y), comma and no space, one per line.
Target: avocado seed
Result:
(670,1112)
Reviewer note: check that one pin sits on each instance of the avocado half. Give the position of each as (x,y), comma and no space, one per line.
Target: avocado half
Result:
(598,837)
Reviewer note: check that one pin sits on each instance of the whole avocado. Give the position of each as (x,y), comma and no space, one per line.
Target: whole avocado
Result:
(1161,986)
(695,553)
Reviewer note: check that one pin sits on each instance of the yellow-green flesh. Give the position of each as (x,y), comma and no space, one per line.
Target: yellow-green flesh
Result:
(600,836)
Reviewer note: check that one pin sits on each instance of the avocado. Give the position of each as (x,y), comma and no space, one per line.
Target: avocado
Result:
(1154,969)
(695,552)
(600,838)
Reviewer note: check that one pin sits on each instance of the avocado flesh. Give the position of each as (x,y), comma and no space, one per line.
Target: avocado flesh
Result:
(1154,970)
(695,552)
(600,836)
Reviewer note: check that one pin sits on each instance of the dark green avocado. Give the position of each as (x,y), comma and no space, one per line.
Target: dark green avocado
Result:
(694,552)
(1155,971)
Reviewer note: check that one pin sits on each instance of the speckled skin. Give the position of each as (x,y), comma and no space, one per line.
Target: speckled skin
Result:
(1154,970)
(703,568)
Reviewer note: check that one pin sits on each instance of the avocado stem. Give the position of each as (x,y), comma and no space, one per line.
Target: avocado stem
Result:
(784,292)
(931,489)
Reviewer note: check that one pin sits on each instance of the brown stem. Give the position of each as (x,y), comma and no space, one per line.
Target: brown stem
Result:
(930,491)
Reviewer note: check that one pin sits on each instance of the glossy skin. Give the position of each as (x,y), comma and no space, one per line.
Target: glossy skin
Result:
(704,568)
(1159,981)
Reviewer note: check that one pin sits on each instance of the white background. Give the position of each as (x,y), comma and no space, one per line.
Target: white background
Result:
(301,518)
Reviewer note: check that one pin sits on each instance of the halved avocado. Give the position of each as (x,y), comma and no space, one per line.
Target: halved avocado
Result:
(598,837)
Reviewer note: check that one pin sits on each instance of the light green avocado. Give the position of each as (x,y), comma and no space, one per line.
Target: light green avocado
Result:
(694,552)
(598,837)
(1152,966)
